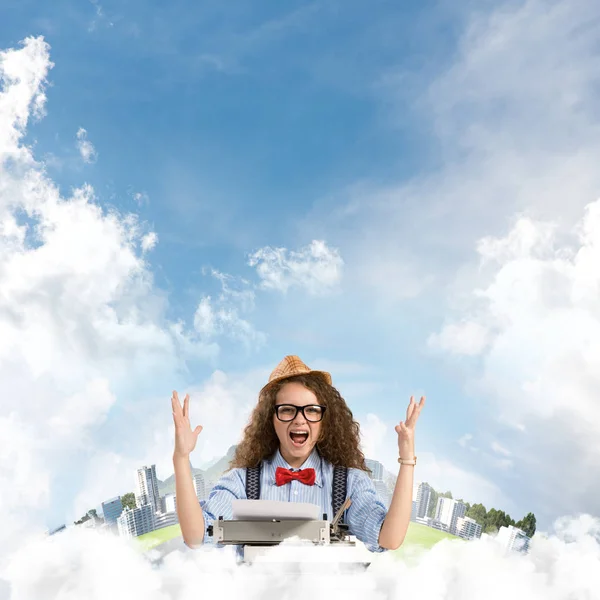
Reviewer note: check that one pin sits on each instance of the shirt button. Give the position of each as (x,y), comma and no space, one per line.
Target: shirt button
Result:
(295,492)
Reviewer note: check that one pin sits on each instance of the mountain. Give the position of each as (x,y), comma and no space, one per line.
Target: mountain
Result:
(211,474)
(210,463)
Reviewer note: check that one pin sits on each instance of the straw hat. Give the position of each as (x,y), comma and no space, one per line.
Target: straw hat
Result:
(290,366)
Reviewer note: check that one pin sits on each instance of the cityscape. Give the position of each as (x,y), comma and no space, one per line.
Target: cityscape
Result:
(154,511)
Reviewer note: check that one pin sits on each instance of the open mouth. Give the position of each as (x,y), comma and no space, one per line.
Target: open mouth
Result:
(298,438)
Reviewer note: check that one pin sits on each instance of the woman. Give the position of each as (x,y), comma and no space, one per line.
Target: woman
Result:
(299,430)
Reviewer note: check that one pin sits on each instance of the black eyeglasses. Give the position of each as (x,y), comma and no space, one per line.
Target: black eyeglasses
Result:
(288,412)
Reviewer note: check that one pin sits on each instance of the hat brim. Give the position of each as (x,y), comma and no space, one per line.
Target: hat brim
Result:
(324,374)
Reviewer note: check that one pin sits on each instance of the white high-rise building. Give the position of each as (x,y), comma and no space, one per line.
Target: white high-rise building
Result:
(169,503)
(415,491)
(111,509)
(136,522)
(513,538)
(448,512)
(443,511)
(165,520)
(413,511)
(146,489)
(468,528)
(460,510)
(200,487)
(422,500)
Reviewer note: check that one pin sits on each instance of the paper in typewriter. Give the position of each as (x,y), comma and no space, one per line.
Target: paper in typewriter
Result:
(259,510)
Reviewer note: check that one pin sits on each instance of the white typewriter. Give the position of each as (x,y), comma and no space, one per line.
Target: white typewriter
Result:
(259,525)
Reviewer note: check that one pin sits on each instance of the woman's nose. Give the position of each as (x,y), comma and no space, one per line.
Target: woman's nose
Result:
(300,418)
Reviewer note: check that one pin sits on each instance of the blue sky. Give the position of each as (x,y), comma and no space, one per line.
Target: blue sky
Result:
(392,167)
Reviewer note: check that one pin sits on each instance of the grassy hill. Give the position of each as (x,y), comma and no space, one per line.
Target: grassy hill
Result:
(154,538)
(422,535)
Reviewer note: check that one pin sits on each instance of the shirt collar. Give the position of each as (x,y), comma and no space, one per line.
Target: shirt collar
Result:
(312,462)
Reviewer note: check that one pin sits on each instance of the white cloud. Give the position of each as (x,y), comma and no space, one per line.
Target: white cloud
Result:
(536,302)
(445,475)
(81,323)
(222,405)
(85,147)
(99,18)
(107,475)
(538,310)
(511,119)
(82,410)
(504,463)
(211,322)
(462,338)
(222,316)
(149,241)
(315,268)
(496,447)
(485,459)
(464,440)
(24,76)
(559,565)
(79,315)
(140,198)
(372,435)
(23,475)
(235,289)
(513,126)
(204,319)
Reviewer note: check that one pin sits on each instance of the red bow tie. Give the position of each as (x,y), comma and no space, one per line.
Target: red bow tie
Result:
(305,476)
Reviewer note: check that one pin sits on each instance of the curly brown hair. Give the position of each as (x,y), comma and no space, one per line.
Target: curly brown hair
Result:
(339,439)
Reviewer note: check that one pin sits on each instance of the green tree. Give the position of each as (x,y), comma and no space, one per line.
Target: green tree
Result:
(94,514)
(527,524)
(478,512)
(128,500)
(489,525)
(498,519)
(83,519)
(490,528)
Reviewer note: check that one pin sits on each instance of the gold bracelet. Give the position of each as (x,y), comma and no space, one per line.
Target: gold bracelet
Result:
(408,461)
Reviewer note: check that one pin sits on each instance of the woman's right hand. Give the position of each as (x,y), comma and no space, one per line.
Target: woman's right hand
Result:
(185,438)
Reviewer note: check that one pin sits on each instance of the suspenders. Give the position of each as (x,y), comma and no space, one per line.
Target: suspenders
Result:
(338,492)
(253,483)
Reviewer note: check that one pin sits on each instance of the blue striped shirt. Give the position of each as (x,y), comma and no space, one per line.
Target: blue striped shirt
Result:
(364,517)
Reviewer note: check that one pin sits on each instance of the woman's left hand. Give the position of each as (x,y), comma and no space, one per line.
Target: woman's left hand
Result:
(406,429)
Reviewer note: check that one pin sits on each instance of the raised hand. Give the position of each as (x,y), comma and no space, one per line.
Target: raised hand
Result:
(406,429)
(185,438)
